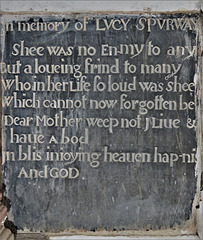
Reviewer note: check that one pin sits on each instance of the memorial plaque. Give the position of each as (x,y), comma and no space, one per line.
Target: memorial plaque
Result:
(99,121)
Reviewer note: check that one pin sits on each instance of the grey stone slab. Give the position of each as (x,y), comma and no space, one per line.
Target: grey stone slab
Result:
(134,169)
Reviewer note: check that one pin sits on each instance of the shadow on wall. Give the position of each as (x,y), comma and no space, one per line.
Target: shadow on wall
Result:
(7,228)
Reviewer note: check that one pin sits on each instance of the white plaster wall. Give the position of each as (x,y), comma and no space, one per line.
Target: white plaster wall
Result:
(124,238)
(200,218)
(106,5)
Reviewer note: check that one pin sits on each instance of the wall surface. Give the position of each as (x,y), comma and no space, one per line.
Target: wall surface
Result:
(81,6)
(88,6)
